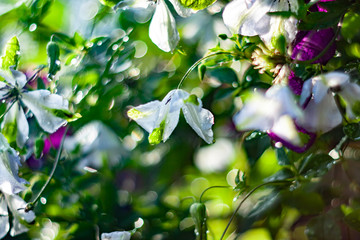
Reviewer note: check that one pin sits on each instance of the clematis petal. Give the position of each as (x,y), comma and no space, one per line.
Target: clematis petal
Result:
(17,206)
(4,218)
(22,134)
(181,10)
(285,128)
(40,103)
(10,182)
(146,115)
(200,119)
(116,236)
(19,77)
(162,29)
(247,19)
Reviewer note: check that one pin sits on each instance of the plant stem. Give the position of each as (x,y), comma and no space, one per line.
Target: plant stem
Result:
(53,169)
(246,197)
(198,62)
(209,189)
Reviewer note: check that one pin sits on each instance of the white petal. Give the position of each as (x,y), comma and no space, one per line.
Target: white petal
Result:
(10,182)
(181,10)
(17,207)
(335,79)
(321,116)
(20,78)
(116,236)
(258,112)
(245,20)
(170,110)
(306,92)
(40,102)
(146,115)
(22,134)
(285,128)
(162,29)
(4,218)
(200,119)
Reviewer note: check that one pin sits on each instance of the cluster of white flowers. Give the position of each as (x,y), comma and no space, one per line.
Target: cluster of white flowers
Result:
(42,104)
(277,110)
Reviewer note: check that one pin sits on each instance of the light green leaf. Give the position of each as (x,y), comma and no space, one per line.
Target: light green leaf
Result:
(11,54)
(196,4)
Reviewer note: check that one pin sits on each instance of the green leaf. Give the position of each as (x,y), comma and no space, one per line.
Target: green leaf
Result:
(281,156)
(157,134)
(11,54)
(282,174)
(316,165)
(352,130)
(38,147)
(255,145)
(196,4)
(323,227)
(201,71)
(53,52)
(224,75)
(349,27)
(198,214)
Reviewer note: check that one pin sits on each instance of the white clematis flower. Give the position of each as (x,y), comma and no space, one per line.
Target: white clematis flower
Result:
(273,111)
(41,103)
(321,113)
(10,182)
(17,207)
(160,118)
(162,29)
(251,18)
(119,235)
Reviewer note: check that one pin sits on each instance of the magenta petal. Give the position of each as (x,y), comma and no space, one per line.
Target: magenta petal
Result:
(295,83)
(54,140)
(298,149)
(310,44)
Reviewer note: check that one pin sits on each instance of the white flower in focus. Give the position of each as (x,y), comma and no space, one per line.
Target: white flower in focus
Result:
(162,30)
(17,207)
(10,182)
(160,118)
(321,113)
(116,236)
(41,103)
(274,111)
(251,18)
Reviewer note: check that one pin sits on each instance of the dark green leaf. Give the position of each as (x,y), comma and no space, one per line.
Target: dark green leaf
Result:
(53,53)
(202,71)
(282,158)
(316,165)
(255,145)
(224,75)
(282,174)
(352,130)
(11,54)
(38,147)
(198,214)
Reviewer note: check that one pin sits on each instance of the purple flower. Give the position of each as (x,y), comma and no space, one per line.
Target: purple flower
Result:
(295,83)
(54,140)
(309,44)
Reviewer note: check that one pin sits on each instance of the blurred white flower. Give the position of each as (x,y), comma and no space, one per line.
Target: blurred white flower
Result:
(321,113)
(10,182)
(17,207)
(95,140)
(251,18)
(160,118)
(116,236)
(273,111)
(41,103)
